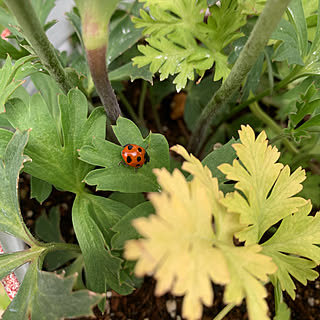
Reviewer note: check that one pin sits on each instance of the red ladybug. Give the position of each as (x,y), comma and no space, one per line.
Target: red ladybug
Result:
(134,155)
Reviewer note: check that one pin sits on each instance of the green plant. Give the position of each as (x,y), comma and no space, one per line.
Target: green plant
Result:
(65,141)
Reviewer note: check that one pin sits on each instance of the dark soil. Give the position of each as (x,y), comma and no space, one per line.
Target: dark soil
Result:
(142,304)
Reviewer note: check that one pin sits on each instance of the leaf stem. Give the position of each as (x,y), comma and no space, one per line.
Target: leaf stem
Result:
(257,41)
(224,311)
(32,29)
(61,246)
(266,119)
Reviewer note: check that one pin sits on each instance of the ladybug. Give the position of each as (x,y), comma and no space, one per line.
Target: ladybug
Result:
(134,155)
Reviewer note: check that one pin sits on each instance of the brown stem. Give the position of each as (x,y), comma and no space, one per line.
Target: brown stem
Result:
(98,68)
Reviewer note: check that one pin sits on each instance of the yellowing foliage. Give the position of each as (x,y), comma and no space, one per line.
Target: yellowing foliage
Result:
(178,243)
(189,241)
(267,186)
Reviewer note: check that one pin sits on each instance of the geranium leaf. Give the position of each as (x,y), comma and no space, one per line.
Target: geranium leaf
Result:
(247,266)
(122,37)
(124,229)
(294,248)
(10,165)
(178,242)
(106,213)
(5,137)
(10,79)
(10,261)
(180,235)
(102,268)
(47,227)
(108,155)
(226,223)
(40,189)
(174,32)
(54,156)
(40,294)
(267,188)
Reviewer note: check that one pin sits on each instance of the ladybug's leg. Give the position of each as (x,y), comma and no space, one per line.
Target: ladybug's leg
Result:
(123,163)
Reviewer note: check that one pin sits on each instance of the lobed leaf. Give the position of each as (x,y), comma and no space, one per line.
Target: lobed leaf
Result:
(11,75)
(124,228)
(267,188)
(115,177)
(174,31)
(226,223)
(178,242)
(184,253)
(247,266)
(54,153)
(10,165)
(294,248)
(101,266)
(40,294)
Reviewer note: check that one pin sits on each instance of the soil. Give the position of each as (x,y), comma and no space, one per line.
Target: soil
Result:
(143,304)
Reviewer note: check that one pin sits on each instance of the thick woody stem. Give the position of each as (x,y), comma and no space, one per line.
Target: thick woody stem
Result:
(98,68)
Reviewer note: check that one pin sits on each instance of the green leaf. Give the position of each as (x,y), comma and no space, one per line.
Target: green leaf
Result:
(10,165)
(130,71)
(47,227)
(8,49)
(180,42)
(129,199)
(76,267)
(296,16)
(50,92)
(311,189)
(101,267)
(177,56)
(10,261)
(40,189)
(43,8)
(293,34)
(9,77)
(197,99)
(267,188)
(106,213)
(294,248)
(307,107)
(289,48)
(5,137)
(115,177)
(225,154)
(54,156)
(40,294)
(124,228)
(253,78)
(122,37)
(282,312)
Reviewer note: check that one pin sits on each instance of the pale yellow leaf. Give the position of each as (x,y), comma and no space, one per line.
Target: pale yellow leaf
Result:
(247,269)
(267,188)
(178,244)
(225,223)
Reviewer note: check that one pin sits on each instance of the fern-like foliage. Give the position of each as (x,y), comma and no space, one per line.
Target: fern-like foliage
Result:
(181,42)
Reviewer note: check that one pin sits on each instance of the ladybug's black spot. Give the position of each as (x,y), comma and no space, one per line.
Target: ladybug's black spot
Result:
(139,149)
(138,159)
(138,165)
(130,147)
(129,159)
